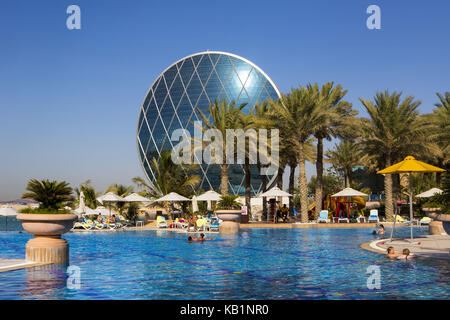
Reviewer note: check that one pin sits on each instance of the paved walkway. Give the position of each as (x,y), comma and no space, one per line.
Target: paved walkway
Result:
(13,264)
(432,246)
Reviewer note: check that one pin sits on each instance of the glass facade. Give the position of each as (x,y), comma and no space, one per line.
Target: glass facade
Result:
(195,81)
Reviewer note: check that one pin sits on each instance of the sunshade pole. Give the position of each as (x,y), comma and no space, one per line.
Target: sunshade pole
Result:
(410,206)
(395,220)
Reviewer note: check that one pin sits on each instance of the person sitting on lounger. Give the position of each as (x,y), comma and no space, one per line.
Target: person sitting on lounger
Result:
(391,253)
(406,255)
(202,238)
(100,218)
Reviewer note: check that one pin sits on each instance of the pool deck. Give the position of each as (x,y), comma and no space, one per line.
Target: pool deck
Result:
(432,246)
(14,264)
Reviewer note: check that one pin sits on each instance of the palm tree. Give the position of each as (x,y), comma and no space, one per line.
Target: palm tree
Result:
(50,194)
(336,114)
(437,125)
(299,115)
(90,194)
(169,177)
(224,116)
(344,157)
(392,131)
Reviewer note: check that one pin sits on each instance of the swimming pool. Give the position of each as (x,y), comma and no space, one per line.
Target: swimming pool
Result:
(256,264)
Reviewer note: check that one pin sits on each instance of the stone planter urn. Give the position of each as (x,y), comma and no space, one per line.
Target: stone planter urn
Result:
(440,223)
(230,220)
(47,246)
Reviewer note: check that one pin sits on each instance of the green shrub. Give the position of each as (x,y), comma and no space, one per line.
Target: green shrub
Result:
(44,211)
(228,202)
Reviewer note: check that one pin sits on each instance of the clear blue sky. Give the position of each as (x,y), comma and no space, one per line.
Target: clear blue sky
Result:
(69,99)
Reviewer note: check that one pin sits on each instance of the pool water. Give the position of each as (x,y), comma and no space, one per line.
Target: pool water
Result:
(256,264)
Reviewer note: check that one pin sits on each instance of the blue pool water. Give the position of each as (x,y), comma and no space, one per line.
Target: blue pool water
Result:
(256,264)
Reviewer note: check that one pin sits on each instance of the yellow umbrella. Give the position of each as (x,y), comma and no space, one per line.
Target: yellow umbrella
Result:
(409,165)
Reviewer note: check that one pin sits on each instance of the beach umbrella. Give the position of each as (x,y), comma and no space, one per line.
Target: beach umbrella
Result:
(349,192)
(86,212)
(7,212)
(82,205)
(102,210)
(110,197)
(194,204)
(409,165)
(209,196)
(135,197)
(429,193)
(275,192)
(172,197)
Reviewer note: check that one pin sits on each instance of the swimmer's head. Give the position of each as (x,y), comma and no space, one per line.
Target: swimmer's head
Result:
(381,226)
(202,235)
(390,250)
(406,252)
(190,239)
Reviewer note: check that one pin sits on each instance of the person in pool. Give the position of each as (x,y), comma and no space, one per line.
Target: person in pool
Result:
(381,230)
(202,238)
(406,255)
(391,253)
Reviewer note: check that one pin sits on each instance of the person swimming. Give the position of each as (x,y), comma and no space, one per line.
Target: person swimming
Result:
(381,230)
(202,238)
(391,253)
(406,255)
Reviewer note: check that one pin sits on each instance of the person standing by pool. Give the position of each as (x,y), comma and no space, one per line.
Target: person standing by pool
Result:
(284,212)
(192,221)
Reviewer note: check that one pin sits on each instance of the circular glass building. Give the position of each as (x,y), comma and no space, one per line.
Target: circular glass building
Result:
(196,81)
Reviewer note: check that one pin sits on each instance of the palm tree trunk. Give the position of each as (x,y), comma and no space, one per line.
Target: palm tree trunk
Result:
(319,176)
(280,176)
(302,183)
(291,188)
(264,189)
(247,186)
(224,179)
(389,209)
(347,179)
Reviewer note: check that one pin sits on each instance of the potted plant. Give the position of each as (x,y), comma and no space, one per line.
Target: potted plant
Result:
(438,208)
(48,222)
(229,211)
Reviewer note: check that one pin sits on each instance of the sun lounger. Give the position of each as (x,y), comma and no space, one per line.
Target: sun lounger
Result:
(161,222)
(401,220)
(361,219)
(212,224)
(373,216)
(323,216)
(424,221)
(201,224)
